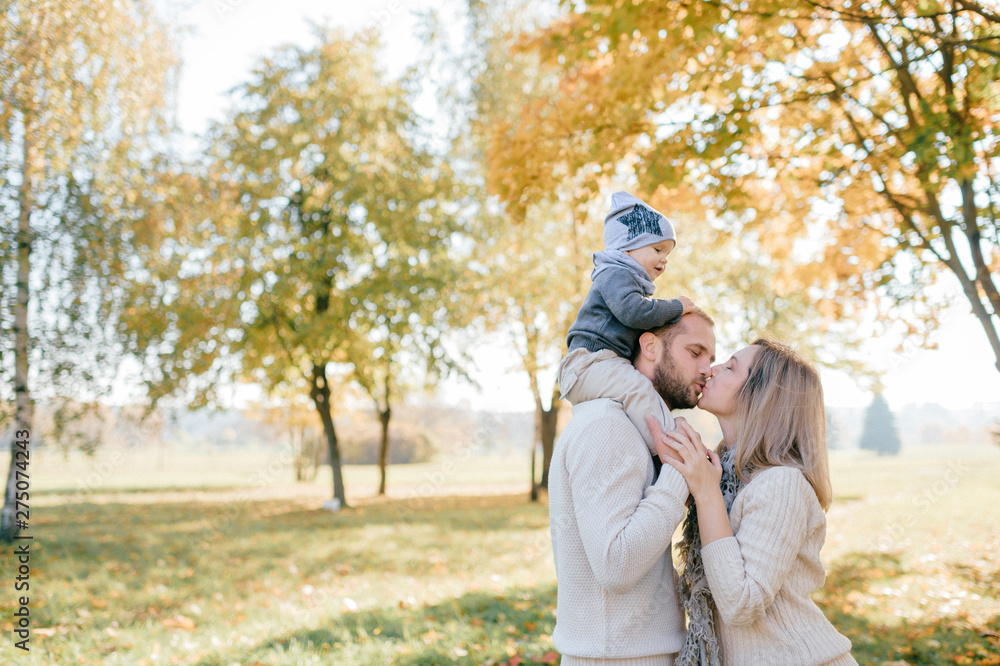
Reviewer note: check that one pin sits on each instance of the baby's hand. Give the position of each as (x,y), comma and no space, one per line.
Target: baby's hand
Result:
(687,303)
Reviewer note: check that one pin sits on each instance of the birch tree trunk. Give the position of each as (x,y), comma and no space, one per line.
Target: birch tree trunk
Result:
(22,396)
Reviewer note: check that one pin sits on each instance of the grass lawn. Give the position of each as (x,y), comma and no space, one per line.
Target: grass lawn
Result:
(257,575)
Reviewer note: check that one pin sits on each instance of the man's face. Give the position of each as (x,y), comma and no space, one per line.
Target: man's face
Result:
(686,365)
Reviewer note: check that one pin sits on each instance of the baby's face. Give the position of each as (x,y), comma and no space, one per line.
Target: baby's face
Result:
(653,257)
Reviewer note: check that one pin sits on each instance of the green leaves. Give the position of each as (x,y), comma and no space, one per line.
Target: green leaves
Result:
(82,110)
(324,233)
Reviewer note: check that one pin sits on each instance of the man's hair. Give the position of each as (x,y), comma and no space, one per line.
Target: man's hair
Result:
(667,333)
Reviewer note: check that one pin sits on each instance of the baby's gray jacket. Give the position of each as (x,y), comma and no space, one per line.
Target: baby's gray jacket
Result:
(617,311)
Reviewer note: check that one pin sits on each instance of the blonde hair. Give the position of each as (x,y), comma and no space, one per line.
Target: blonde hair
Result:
(781,418)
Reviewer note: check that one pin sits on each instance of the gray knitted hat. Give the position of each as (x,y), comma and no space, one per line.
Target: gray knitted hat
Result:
(632,224)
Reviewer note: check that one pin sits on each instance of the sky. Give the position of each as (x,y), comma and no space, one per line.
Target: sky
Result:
(228,36)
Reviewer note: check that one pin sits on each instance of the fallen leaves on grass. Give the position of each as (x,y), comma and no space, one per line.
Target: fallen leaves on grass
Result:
(431,636)
(179,622)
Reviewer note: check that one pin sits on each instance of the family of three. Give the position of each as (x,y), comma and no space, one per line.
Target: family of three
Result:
(624,474)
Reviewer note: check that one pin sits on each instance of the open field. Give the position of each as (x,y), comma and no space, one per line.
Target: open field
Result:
(261,473)
(255,574)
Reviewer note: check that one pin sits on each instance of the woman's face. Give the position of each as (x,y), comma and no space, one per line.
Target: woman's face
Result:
(719,396)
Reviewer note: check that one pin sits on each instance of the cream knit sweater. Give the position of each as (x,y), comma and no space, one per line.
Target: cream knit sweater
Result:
(611,525)
(762,577)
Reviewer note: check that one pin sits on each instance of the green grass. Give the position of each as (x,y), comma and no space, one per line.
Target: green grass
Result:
(248,576)
(913,555)
(116,470)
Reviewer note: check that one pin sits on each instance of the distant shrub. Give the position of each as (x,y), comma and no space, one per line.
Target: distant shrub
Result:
(407,444)
(879,433)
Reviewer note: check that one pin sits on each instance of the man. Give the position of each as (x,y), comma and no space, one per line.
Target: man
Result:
(612,516)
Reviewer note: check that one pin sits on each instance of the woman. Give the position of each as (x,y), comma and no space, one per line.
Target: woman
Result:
(752,546)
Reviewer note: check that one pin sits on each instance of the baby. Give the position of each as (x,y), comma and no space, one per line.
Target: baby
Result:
(602,341)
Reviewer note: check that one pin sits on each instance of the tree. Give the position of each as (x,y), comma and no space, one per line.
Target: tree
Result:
(319,204)
(404,324)
(296,422)
(856,142)
(879,430)
(518,97)
(535,289)
(532,263)
(537,251)
(832,430)
(82,102)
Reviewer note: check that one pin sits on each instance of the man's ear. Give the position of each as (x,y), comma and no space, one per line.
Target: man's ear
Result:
(649,345)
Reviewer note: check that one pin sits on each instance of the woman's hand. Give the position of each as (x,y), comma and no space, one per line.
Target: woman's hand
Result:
(700,467)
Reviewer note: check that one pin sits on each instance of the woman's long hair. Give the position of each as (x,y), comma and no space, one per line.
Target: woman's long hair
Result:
(780,421)
(781,418)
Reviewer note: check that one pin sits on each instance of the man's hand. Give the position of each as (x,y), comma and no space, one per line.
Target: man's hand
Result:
(663,449)
(687,303)
(701,468)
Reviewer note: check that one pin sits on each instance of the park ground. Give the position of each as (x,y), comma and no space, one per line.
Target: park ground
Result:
(128,566)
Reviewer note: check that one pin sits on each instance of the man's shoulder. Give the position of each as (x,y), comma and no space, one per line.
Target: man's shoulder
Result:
(601,434)
(598,409)
(602,418)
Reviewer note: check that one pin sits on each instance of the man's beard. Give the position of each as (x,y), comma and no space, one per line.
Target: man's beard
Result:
(677,393)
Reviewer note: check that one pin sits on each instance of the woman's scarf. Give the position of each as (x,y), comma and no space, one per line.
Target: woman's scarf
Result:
(701,648)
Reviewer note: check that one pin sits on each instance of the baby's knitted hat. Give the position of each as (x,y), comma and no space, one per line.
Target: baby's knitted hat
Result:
(632,224)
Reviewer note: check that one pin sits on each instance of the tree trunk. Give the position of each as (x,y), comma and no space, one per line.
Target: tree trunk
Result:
(297,440)
(983,280)
(550,418)
(534,486)
(383,451)
(545,432)
(970,288)
(317,456)
(22,397)
(319,391)
(984,316)
(384,414)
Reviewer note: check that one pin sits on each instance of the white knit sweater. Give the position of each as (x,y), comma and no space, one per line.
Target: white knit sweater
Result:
(611,525)
(762,577)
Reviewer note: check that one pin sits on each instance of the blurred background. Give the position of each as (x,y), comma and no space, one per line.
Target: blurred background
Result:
(261,255)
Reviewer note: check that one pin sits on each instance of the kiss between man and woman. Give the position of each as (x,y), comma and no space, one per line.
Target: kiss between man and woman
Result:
(624,470)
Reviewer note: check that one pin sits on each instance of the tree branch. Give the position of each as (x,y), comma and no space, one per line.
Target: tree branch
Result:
(902,73)
(972,235)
